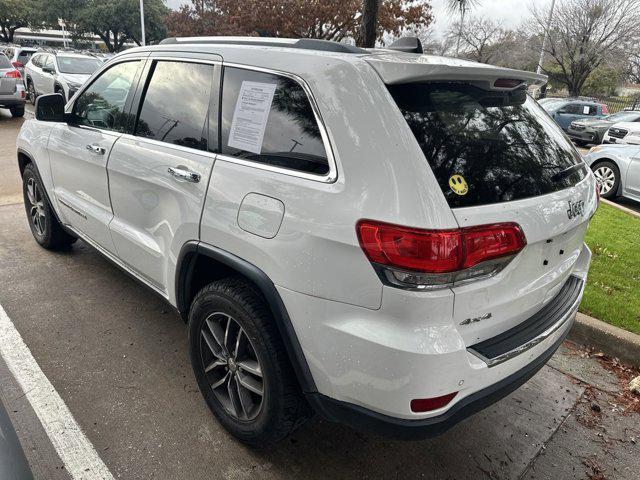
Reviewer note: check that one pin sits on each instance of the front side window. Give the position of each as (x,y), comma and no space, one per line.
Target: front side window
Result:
(102,104)
(175,108)
(48,63)
(502,144)
(267,118)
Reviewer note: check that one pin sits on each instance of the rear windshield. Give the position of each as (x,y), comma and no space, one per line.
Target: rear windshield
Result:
(485,146)
(4,61)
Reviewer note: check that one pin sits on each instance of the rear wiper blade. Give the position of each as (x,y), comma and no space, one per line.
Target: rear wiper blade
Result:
(568,171)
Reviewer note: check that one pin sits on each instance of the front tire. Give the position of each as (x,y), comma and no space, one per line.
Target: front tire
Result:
(241,365)
(608,177)
(17,111)
(44,225)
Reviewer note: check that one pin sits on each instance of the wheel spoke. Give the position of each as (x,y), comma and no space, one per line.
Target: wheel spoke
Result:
(250,383)
(30,192)
(251,366)
(244,398)
(232,389)
(236,349)
(220,382)
(216,363)
(213,345)
(226,332)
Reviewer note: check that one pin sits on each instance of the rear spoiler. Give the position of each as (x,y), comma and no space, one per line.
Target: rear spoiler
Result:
(396,68)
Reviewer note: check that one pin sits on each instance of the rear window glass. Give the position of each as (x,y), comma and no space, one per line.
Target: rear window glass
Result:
(4,61)
(24,56)
(487,147)
(268,118)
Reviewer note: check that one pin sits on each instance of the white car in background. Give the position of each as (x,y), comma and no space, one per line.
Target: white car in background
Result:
(58,72)
(617,170)
(623,132)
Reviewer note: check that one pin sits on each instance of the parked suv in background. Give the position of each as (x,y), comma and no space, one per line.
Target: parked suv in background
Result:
(623,132)
(592,130)
(12,94)
(565,111)
(390,239)
(58,72)
(19,56)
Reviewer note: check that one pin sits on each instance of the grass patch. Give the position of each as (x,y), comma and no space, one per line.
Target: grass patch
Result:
(612,293)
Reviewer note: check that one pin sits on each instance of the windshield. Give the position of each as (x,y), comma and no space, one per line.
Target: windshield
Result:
(503,145)
(78,65)
(623,117)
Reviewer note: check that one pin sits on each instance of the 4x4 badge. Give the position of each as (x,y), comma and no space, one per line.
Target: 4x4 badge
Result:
(575,209)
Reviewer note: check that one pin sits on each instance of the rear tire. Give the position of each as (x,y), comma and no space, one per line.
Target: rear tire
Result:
(608,177)
(17,111)
(32,92)
(229,309)
(43,222)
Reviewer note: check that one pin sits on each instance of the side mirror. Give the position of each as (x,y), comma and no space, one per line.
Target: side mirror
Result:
(50,108)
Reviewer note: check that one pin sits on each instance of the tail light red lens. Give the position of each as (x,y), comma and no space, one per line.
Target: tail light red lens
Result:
(17,64)
(438,251)
(506,83)
(13,74)
(419,405)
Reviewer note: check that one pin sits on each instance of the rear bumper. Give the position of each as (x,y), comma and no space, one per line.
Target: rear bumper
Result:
(12,99)
(368,364)
(405,429)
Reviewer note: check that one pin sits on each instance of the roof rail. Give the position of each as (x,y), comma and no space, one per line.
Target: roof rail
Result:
(303,43)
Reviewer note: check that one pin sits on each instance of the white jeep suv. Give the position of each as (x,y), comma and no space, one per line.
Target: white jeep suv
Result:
(390,239)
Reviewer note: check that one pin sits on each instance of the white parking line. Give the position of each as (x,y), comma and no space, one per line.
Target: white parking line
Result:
(75,450)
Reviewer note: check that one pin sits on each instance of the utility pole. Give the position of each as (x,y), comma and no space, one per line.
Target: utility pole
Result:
(142,22)
(544,39)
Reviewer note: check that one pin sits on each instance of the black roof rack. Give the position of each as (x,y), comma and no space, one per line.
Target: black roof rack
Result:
(303,43)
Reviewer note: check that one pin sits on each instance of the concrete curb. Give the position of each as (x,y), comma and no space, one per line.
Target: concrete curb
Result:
(613,341)
(621,207)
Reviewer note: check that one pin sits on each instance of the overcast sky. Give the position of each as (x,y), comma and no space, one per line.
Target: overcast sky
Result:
(510,12)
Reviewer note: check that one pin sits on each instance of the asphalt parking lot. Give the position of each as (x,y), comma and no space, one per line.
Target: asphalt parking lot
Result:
(116,357)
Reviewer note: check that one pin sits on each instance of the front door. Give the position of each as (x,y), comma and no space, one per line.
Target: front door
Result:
(158,176)
(79,151)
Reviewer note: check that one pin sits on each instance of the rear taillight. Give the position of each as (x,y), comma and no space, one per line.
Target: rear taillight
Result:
(507,83)
(17,64)
(417,258)
(605,110)
(13,74)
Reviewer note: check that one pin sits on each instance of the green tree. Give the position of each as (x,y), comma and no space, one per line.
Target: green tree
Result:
(16,14)
(602,81)
(118,21)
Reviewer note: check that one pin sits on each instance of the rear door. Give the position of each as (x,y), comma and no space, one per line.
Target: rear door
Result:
(79,150)
(158,176)
(632,180)
(515,166)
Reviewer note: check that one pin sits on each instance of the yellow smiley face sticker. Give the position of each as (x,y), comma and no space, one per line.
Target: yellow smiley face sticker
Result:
(458,184)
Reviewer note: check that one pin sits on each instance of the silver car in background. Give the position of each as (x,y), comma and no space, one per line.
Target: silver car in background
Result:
(58,72)
(12,93)
(617,170)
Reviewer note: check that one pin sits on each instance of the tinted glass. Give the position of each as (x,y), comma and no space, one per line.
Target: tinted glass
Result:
(291,135)
(24,56)
(176,104)
(48,62)
(623,117)
(78,65)
(4,61)
(36,60)
(102,104)
(502,144)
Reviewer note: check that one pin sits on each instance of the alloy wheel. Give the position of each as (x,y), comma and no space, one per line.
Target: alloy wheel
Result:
(231,366)
(36,206)
(606,178)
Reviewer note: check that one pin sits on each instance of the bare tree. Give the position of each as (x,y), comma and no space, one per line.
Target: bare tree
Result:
(461,7)
(481,39)
(581,34)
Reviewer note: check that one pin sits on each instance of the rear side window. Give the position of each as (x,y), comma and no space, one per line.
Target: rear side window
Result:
(175,108)
(268,118)
(487,147)
(24,56)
